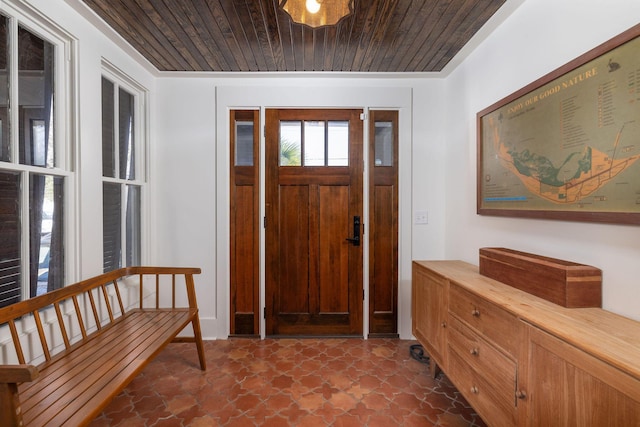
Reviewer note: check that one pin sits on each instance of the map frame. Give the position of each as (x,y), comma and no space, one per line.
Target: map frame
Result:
(491,150)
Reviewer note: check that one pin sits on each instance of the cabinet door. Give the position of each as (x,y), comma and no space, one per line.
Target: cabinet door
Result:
(430,308)
(566,386)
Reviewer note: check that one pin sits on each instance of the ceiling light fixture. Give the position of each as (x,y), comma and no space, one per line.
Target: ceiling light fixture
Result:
(317,13)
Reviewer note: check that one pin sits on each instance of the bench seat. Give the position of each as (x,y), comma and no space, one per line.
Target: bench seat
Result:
(74,385)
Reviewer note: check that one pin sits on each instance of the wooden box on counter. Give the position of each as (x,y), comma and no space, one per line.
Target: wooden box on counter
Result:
(562,282)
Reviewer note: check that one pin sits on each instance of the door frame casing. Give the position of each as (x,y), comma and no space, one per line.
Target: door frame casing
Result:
(367,98)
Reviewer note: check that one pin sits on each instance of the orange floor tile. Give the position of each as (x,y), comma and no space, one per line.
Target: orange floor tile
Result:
(290,382)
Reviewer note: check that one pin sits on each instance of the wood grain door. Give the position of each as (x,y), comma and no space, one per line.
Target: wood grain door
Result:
(244,223)
(314,184)
(383,224)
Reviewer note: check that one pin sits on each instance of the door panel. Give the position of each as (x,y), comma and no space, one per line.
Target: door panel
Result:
(313,273)
(333,259)
(244,223)
(294,250)
(383,224)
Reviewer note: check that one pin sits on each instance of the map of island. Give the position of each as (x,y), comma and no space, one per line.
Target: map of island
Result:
(569,145)
(578,176)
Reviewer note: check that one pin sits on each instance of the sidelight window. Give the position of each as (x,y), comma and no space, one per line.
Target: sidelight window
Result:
(384,143)
(244,144)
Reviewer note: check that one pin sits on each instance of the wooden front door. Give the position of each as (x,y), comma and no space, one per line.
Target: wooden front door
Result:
(314,184)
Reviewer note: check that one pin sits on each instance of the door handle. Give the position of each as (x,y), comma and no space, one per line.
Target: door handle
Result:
(355,240)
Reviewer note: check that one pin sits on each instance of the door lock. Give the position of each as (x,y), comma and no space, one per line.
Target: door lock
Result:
(355,240)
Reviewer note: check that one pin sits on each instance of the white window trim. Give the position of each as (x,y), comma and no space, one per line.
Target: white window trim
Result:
(66,127)
(141,135)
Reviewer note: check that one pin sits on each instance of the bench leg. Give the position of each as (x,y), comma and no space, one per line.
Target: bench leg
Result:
(197,334)
(10,411)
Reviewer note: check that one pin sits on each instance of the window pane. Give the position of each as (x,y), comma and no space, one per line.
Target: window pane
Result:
(126,135)
(244,143)
(108,129)
(10,282)
(338,143)
(290,143)
(314,147)
(36,95)
(133,225)
(384,144)
(46,201)
(4,91)
(112,226)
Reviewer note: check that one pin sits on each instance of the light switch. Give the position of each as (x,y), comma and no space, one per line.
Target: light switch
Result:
(422,217)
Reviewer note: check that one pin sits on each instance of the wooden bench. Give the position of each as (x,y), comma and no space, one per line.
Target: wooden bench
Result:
(91,345)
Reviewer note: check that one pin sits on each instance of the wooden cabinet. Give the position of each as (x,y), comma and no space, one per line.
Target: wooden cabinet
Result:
(521,360)
(566,386)
(429,321)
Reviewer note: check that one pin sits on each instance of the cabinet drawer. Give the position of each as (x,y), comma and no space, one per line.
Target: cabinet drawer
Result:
(489,320)
(496,368)
(481,394)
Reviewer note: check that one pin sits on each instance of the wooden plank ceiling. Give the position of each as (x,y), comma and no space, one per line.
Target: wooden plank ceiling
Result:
(258,36)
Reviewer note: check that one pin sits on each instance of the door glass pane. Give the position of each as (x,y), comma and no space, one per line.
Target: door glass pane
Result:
(290,143)
(133,225)
(10,238)
(244,143)
(314,143)
(384,144)
(4,91)
(108,130)
(338,143)
(36,99)
(126,135)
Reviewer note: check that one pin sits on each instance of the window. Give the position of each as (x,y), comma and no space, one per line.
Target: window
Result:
(123,176)
(314,143)
(383,143)
(33,173)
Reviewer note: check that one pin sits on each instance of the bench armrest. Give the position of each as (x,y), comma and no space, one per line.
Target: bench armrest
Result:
(10,374)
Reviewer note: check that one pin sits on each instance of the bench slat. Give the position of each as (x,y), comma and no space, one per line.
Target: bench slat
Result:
(63,328)
(89,386)
(103,394)
(76,307)
(84,352)
(107,344)
(43,338)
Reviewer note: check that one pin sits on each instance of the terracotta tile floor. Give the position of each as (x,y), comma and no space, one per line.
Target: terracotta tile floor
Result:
(289,382)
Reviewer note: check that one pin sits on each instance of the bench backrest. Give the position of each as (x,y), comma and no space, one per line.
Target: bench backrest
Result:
(98,296)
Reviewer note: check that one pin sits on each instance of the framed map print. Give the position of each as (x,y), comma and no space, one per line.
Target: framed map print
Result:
(567,146)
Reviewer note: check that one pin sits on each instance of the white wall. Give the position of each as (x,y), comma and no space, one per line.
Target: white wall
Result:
(192,166)
(184,172)
(540,36)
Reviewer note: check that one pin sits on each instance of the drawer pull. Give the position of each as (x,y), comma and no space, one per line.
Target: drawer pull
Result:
(475,312)
(521,394)
(474,390)
(443,324)
(474,351)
